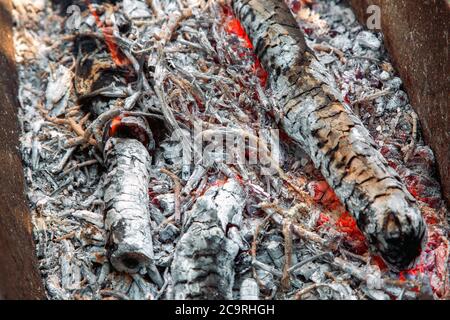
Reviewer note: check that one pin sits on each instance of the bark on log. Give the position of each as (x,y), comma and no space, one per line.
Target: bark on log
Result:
(126,197)
(315,116)
(203,264)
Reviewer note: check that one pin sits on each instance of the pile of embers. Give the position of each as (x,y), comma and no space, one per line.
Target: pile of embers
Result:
(125,105)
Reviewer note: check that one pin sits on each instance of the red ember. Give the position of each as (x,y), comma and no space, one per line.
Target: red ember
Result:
(345,223)
(233,26)
(113,49)
(115,123)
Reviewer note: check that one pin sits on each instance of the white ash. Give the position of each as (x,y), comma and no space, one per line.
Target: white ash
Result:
(210,77)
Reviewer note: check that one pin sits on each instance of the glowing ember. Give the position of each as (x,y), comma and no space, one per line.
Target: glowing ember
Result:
(324,195)
(345,223)
(219,182)
(433,261)
(113,49)
(233,26)
(323,218)
(115,123)
(296,6)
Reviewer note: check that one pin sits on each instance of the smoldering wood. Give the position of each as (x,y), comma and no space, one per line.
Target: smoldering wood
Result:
(221,92)
(126,197)
(315,116)
(203,263)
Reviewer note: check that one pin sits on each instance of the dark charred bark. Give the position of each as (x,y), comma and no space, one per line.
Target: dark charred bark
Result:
(315,116)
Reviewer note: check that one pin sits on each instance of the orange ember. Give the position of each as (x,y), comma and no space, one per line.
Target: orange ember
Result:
(113,49)
(345,223)
(324,195)
(233,26)
(323,218)
(219,182)
(115,123)
(432,263)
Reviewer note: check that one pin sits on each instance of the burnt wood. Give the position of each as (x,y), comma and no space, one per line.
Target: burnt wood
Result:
(19,276)
(203,264)
(315,116)
(126,196)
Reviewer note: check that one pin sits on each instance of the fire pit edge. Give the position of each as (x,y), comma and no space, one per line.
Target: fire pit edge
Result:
(19,277)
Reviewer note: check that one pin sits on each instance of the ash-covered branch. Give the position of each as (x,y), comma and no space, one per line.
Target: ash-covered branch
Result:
(203,264)
(126,195)
(315,116)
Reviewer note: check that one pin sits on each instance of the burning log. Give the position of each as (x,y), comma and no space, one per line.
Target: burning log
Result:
(203,264)
(315,116)
(126,194)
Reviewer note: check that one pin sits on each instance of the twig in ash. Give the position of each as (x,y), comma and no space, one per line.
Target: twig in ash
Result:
(114,293)
(171,25)
(64,159)
(74,125)
(364,58)
(96,127)
(400,296)
(297,266)
(299,294)
(156,8)
(265,154)
(373,96)
(276,213)
(327,48)
(164,286)
(363,276)
(265,267)
(287,233)
(177,192)
(254,250)
(81,165)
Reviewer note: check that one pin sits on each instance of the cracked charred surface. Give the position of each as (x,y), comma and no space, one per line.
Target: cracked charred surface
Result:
(315,116)
(126,197)
(203,264)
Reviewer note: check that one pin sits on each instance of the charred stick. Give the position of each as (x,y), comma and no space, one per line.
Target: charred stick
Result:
(65,158)
(81,165)
(302,292)
(203,263)
(287,234)
(276,214)
(379,282)
(315,116)
(177,192)
(126,194)
(114,293)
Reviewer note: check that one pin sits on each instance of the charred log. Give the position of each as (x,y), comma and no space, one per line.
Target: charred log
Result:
(203,264)
(315,116)
(126,195)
